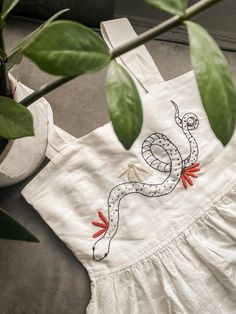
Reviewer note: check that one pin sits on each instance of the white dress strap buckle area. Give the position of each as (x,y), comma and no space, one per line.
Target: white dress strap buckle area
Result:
(138,61)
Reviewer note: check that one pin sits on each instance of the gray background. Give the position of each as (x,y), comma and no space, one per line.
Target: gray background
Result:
(46,278)
(220,17)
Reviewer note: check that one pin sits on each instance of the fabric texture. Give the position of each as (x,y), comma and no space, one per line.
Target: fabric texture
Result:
(192,273)
(154,226)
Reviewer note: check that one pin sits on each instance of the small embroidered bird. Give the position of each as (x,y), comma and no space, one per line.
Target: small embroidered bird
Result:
(132,172)
(189,172)
(104,225)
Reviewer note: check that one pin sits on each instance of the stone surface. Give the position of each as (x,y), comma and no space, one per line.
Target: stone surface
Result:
(46,278)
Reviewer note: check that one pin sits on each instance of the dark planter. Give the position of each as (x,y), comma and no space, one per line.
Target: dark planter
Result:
(89,12)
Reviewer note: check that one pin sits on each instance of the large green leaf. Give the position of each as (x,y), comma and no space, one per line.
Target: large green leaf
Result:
(177,7)
(214,80)
(68,48)
(15,120)
(7,6)
(13,230)
(124,104)
(15,55)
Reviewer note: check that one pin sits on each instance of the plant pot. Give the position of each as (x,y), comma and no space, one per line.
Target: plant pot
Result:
(90,12)
(22,157)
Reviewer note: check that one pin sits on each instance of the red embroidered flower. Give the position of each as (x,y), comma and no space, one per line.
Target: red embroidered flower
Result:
(104,225)
(187,173)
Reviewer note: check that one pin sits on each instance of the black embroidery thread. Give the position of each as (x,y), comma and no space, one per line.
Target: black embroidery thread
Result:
(177,168)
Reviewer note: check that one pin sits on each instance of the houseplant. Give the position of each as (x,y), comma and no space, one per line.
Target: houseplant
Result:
(69,49)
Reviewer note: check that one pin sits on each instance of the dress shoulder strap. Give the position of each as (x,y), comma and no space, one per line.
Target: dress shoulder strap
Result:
(138,61)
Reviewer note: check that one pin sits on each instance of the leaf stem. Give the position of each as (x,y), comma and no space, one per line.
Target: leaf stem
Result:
(139,40)
(5,89)
(2,46)
(45,89)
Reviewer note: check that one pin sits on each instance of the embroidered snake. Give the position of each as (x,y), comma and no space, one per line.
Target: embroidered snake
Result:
(175,169)
(188,123)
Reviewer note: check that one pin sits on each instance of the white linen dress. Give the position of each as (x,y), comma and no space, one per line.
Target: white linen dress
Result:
(154,226)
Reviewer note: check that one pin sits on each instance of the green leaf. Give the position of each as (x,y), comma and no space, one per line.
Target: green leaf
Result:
(124,104)
(177,7)
(13,230)
(7,6)
(15,120)
(214,80)
(68,48)
(15,56)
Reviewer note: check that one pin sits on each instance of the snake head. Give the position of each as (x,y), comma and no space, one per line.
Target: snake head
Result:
(101,249)
(191,120)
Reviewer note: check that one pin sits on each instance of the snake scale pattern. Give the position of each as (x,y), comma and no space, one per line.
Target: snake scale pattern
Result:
(174,168)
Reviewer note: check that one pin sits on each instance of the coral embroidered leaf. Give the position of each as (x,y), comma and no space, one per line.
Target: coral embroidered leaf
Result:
(99,224)
(189,172)
(104,225)
(102,217)
(97,234)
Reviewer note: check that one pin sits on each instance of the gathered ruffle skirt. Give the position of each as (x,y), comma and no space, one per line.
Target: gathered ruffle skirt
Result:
(193,272)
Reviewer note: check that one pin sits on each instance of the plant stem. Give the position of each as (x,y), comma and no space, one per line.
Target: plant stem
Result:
(45,89)
(139,40)
(5,89)
(2,46)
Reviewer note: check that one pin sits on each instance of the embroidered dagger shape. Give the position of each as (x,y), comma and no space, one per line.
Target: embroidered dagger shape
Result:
(104,225)
(132,172)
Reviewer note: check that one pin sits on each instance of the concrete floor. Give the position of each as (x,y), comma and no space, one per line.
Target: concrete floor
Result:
(46,278)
